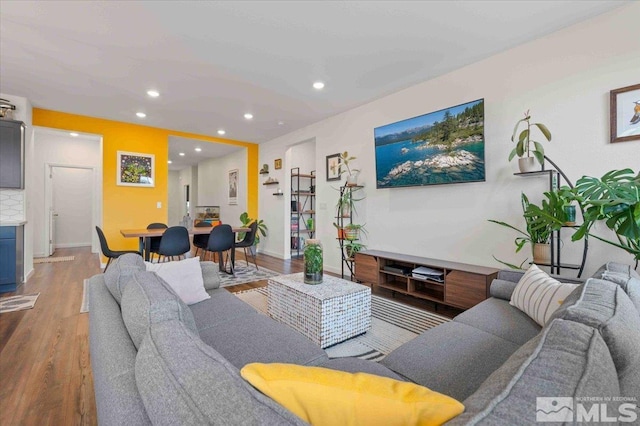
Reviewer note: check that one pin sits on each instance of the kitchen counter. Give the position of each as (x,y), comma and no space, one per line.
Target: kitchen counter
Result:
(12,222)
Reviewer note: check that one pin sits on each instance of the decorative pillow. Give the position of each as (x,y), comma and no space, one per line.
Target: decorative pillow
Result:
(120,272)
(625,277)
(185,277)
(322,396)
(538,295)
(210,275)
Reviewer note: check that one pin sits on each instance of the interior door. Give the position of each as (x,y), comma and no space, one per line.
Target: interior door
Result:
(52,231)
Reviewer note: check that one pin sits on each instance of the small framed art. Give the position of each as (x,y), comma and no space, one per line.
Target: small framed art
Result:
(135,169)
(333,167)
(277,163)
(233,187)
(625,114)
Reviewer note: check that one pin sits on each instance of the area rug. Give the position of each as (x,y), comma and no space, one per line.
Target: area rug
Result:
(84,308)
(18,303)
(53,259)
(392,324)
(246,274)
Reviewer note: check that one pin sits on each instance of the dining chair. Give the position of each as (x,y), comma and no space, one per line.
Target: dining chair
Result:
(174,242)
(154,242)
(222,239)
(200,241)
(248,241)
(107,252)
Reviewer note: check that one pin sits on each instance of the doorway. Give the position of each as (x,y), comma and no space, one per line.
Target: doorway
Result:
(70,207)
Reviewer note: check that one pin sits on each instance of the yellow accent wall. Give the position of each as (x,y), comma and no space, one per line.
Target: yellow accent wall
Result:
(130,207)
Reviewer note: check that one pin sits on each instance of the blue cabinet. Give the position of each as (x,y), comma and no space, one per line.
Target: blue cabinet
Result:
(11,257)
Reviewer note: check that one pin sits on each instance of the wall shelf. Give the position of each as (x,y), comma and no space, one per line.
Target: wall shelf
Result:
(271,183)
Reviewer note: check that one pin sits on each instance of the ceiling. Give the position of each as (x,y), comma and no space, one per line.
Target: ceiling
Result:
(192,157)
(214,61)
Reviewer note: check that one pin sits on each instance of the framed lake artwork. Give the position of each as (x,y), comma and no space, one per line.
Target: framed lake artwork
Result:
(441,147)
(233,187)
(625,114)
(135,169)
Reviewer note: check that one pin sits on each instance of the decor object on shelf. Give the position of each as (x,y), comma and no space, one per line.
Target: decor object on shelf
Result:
(333,167)
(265,169)
(540,222)
(352,247)
(445,146)
(523,145)
(352,174)
(246,221)
(6,109)
(615,200)
(313,262)
(270,181)
(135,169)
(233,187)
(625,114)
(352,231)
(310,224)
(340,231)
(277,163)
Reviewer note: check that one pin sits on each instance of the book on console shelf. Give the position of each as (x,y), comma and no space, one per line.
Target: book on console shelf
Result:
(425,273)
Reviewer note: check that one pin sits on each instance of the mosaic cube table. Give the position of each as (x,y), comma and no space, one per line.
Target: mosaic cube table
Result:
(326,313)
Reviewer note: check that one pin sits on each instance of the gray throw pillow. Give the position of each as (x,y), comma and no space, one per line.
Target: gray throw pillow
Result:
(182,381)
(120,271)
(502,289)
(625,276)
(606,307)
(210,275)
(148,299)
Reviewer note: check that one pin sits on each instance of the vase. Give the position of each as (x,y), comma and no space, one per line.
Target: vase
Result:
(313,262)
(570,215)
(352,179)
(527,164)
(542,253)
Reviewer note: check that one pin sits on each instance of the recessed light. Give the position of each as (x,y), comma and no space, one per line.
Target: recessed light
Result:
(153,93)
(198,149)
(248,116)
(318,85)
(141,114)
(181,154)
(221,132)
(170,162)
(280,123)
(74,134)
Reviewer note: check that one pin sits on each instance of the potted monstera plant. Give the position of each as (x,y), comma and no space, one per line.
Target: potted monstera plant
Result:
(527,149)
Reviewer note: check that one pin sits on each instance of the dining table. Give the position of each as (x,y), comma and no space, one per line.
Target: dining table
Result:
(144,237)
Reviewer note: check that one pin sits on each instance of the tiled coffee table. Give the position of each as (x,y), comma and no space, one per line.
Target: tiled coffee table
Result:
(326,313)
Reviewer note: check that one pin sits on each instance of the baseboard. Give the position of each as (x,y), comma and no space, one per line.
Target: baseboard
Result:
(271,253)
(29,275)
(72,245)
(37,255)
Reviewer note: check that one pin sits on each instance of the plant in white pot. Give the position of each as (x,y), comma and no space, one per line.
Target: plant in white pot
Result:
(524,150)
(352,174)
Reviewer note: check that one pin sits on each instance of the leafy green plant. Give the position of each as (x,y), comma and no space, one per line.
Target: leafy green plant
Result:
(313,258)
(345,159)
(346,203)
(524,141)
(615,200)
(246,221)
(353,247)
(540,222)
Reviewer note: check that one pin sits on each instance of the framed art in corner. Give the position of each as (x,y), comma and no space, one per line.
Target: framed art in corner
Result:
(277,163)
(233,187)
(135,169)
(625,114)
(333,167)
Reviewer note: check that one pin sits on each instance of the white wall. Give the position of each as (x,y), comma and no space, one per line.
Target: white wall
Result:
(173,192)
(73,202)
(59,148)
(564,78)
(213,185)
(23,113)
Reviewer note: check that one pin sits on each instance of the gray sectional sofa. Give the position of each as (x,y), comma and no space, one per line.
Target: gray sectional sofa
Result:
(156,360)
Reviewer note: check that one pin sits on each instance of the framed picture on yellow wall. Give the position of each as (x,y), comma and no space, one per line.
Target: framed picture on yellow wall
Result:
(135,169)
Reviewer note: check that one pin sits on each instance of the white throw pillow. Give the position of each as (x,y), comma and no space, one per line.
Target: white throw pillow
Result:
(184,276)
(538,295)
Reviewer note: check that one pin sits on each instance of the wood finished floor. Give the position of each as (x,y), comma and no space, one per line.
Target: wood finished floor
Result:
(45,370)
